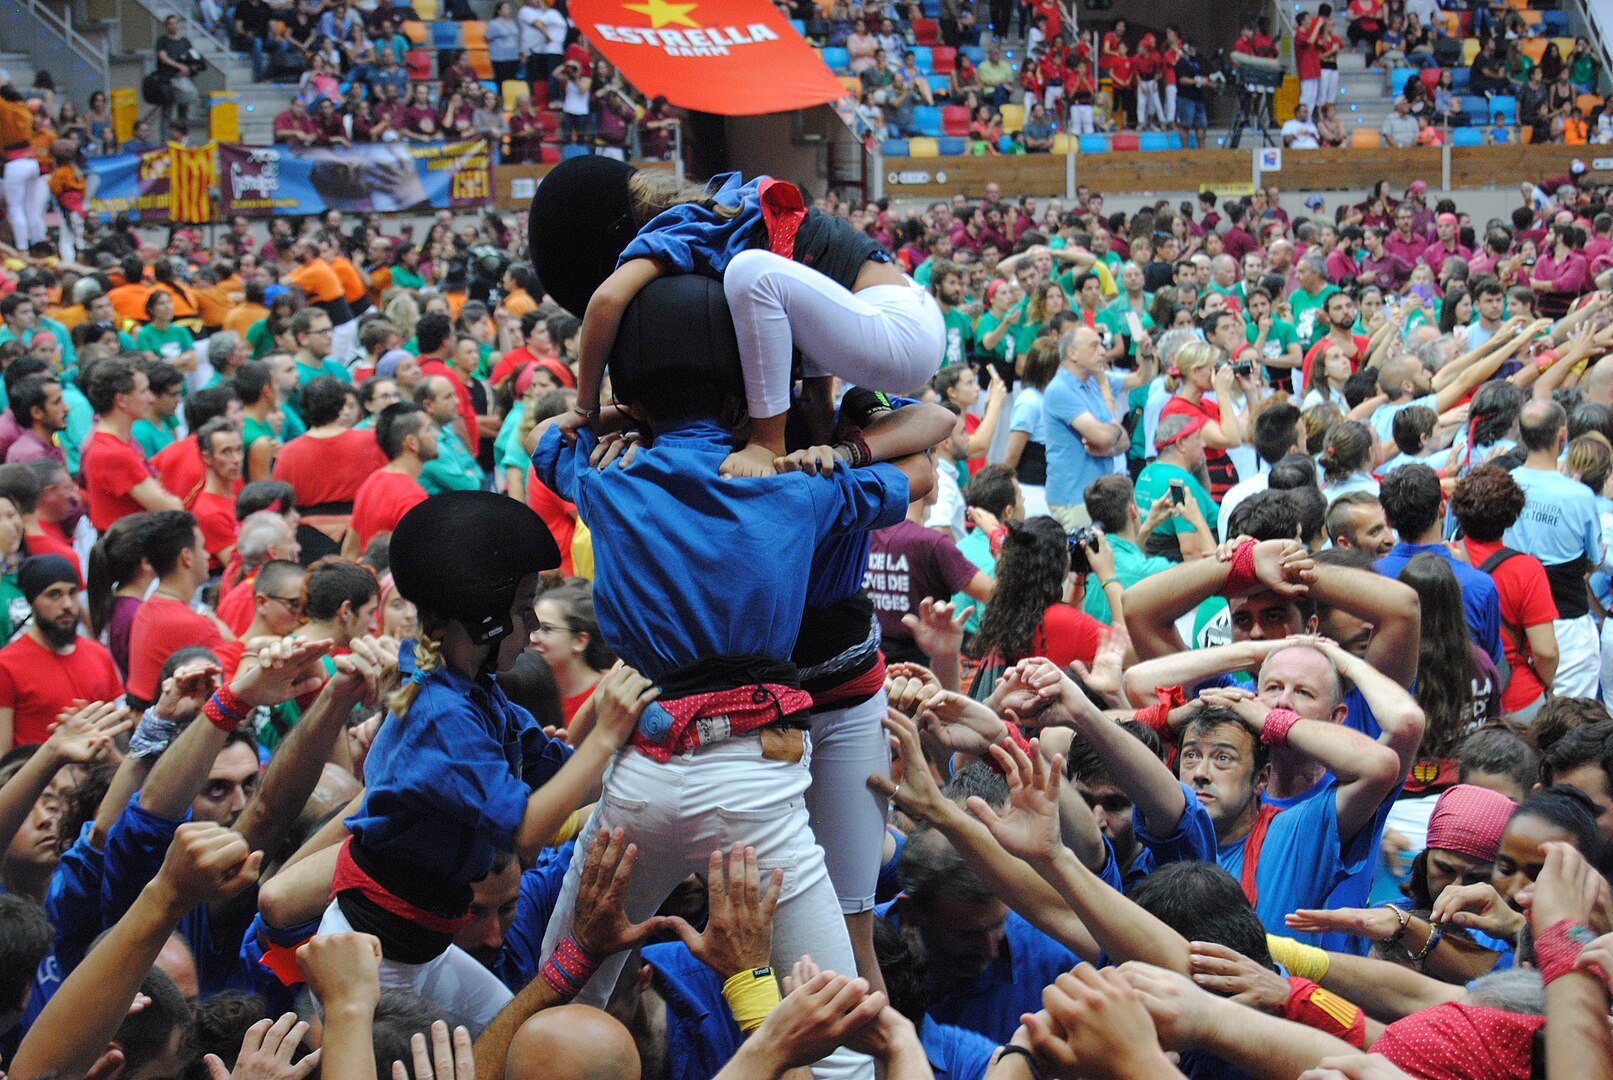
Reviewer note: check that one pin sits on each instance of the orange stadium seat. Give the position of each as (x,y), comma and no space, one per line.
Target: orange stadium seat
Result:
(475,34)
(416,32)
(1366,138)
(480,63)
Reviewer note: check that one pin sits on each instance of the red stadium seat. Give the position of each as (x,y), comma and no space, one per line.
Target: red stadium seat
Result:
(549,124)
(1125,140)
(419,63)
(954,119)
(926,31)
(548,155)
(943,59)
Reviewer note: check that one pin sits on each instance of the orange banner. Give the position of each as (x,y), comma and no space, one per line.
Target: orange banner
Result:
(731,57)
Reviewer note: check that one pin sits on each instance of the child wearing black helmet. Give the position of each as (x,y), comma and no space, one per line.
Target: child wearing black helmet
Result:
(457,772)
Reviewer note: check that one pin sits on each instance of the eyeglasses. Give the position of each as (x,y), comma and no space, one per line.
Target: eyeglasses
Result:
(289,601)
(550,628)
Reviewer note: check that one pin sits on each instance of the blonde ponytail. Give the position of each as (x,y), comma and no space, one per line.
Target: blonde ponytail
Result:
(427,658)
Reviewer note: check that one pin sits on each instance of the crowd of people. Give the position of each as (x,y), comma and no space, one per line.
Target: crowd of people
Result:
(1121,645)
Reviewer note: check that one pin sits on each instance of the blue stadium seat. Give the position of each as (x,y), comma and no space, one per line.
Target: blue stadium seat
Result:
(1153,141)
(932,9)
(975,53)
(1506,106)
(1094,144)
(1173,141)
(1467,136)
(446,35)
(1474,105)
(1556,22)
(571,150)
(923,58)
(798,26)
(1399,77)
(838,59)
(939,84)
(894,148)
(1460,76)
(927,118)
(953,145)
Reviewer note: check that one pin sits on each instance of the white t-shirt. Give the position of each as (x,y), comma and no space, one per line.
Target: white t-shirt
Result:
(554,26)
(949,511)
(1304,134)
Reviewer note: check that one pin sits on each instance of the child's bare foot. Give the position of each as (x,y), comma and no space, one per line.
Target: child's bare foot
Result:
(754,460)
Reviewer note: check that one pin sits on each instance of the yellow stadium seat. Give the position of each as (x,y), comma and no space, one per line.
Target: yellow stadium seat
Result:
(1064,143)
(427,10)
(1533,48)
(1013,117)
(416,32)
(1565,45)
(1366,138)
(1470,50)
(513,90)
(923,147)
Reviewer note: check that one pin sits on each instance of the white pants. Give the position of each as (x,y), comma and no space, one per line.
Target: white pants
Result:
(1309,91)
(456,983)
(1607,662)
(1149,107)
(1170,103)
(848,819)
(26,195)
(888,337)
(1328,92)
(705,801)
(344,342)
(1081,120)
(1579,657)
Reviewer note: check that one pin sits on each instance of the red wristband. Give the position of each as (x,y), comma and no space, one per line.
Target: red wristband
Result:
(1241,577)
(1278,721)
(1015,736)
(1157,716)
(568,970)
(218,717)
(996,538)
(1557,947)
(231,702)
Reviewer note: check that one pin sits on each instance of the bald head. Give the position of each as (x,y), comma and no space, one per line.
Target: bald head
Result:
(1401,376)
(1543,425)
(1597,386)
(572,1042)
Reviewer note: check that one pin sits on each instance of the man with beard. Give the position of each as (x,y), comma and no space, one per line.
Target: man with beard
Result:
(50,665)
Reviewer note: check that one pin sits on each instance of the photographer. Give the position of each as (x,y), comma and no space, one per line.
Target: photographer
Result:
(177,61)
(577,113)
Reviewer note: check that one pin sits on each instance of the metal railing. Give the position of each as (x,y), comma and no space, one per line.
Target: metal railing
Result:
(60,25)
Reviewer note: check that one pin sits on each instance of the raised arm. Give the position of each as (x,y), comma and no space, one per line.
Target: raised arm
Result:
(1390,606)
(1401,721)
(601,321)
(80,738)
(1153,604)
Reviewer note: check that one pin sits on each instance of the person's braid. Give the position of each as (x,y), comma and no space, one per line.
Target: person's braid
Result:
(427,658)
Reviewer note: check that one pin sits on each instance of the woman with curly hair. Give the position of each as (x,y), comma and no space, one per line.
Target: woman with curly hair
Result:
(1486,502)
(1029,614)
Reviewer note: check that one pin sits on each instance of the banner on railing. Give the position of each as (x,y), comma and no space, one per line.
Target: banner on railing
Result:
(259,181)
(132,184)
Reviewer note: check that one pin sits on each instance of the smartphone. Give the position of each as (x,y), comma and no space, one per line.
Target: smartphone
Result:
(1134,325)
(1178,493)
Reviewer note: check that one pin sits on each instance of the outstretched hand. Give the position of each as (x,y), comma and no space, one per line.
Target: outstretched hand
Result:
(739,929)
(918,795)
(1028,827)
(602,927)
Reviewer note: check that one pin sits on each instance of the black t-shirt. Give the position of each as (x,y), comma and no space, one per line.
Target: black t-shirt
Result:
(179,49)
(254,18)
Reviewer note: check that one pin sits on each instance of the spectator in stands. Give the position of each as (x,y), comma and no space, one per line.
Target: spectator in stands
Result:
(1299,133)
(996,77)
(503,35)
(543,41)
(329,130)
(177,61)
(1038,130)
(295,126)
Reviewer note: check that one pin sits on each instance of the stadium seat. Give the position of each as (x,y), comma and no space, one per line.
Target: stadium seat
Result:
(975,53)
(1555,21)
(1005,144)
(952,145)
(927,31)
(1125,140)
(1153,141)
(940,85)
(416,32)
(839,60)
(512,91)
(1013,118)
(1506,106)
(445,35)
(853,85)
(480,63)
(923,147)
(894,148)
(1587,102)
(419,63)
(943,59)
(1565,45)
(927,118)
(798,26)
(921,57)
(818,31)
(1366,138)
(1173,140)
(486,84)
(1470,49)
(1399,77)
(1533,48)
(1467,136)
(1526,134)
(1530,18)
(1063,143)
(475,34)
(1474,105)
(1092,143)
(548,124)
(1460,77)
(954,119)
(575,150)
(426,9)
(549,155)
(540,96)
(932,9)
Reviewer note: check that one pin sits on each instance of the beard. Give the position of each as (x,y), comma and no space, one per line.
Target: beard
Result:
(57,635)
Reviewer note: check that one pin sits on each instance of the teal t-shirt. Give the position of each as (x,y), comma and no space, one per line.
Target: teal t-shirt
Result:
(960,331)
(80,422)
(507,451)
(976,547)
(453,469)
(327,366)
(1155,481)
(154,437)
(168,344)
(1131,566)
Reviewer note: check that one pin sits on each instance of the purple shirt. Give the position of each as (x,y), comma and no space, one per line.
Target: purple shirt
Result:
(30,447)
(1409,249)
(9,431)
(1390,270)
(1436,253)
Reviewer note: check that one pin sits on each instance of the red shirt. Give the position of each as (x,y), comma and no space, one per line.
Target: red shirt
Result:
(467,410)
(236,610)
(112,468)
(570,705)
(328,470)
(215,515)
(161,628)
(1223,473)
(1525,601)
(381,502)
(38,684)
(180,469)
(1314,353)
(1067,634)
(559,516)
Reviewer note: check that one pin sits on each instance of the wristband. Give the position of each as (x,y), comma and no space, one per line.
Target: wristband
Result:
(152,736)
(996,538)
(1557,947)
(857,446)
(751,995)
(568,829)
(231,702)
(1111,581)
(1275,730)
(1306,961)
(1402,916)
(1241,577)
(569,969)
(1010,1050)
(221,717)
(1016,737)
(586,414)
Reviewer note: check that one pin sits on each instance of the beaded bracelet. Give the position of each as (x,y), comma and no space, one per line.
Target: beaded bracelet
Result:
(569,969)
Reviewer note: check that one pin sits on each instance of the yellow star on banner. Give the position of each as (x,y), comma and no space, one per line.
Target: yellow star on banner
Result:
(662,12)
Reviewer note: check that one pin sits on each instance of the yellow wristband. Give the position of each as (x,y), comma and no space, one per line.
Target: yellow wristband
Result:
(751,995)
(568,830)
(1306,961)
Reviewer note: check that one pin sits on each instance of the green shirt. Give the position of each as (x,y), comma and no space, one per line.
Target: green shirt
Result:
(453,469)
(507,450)
(960,330)
(1278,339)
(1116,313)
(1131,566)
(993,73)
(1007,345)
(976,547)
(13,602)
(407,279)
(168,344)
(335,369)
(258,336)
(1155,481)
(80,422)
(151,437)
(1304,307)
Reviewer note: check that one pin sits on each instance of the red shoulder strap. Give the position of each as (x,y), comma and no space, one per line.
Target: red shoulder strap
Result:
(783,211)
(1251,851)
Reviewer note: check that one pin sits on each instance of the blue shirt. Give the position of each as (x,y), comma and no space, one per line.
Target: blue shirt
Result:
(1383,417)
(690,566)
(1481,604)
(839,563)
(701,1034)
(1559,523)
(518,962)
(955,1053)
(446,788)
(1069,467)
(1193,839)
(688,238)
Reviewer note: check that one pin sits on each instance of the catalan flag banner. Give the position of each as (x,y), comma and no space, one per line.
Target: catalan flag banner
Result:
(730,57)
(190,185)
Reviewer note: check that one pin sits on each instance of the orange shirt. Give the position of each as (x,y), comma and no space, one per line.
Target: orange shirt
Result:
(352,285)
(69,316)
(380,282)
(129,301)
(184,300)
(317,281)
(214,303)
(518,303)
(42,140)
(241,317)
(16,124)
(66,178)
